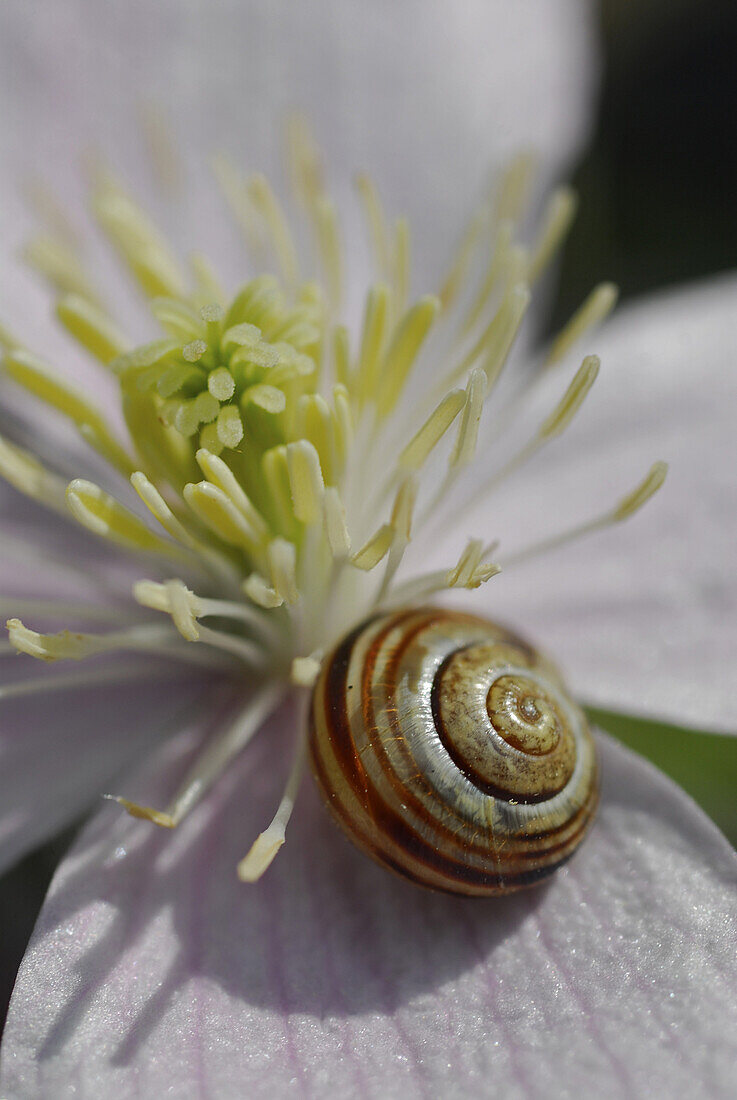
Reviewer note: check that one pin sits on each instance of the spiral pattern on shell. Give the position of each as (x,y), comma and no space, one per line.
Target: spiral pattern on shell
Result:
(449,751)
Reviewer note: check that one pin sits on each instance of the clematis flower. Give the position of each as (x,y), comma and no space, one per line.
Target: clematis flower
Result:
(230,513)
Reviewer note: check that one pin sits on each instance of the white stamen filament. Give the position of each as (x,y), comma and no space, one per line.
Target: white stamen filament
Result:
(626,508)
(268,843)
(213,760)
(74,645)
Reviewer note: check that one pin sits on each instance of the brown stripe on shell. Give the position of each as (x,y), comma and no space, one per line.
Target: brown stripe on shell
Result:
(384,823)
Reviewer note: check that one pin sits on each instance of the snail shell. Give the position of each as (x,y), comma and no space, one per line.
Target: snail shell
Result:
(449,751)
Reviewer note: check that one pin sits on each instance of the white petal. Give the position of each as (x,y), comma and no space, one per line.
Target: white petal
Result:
(153,971)
(641,617)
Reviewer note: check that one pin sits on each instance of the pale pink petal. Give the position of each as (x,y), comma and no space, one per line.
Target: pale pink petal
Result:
(153,971)
(642,617)
(61,750)
(426,95)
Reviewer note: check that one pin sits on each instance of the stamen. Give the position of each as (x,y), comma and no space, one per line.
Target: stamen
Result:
(471,571)
(100,513)
(268,843)
(26,474)
(305,480)
(375,549)
(68,645)
(415,454)
(375,321)
(221,384)
(468,429)
(572,400)
(162,150)
(595,309)
(376,221)
(220,474)
(316,425)
(31,373)
(45,205)
(213,760)
(401,524)
(514,187)
(400,272)
(626,508)
(177,318)
(557,220)
(235,191)
(91,328)
(305,163)
(497,266)
(336,530)
(461,261)
(59,265)
(262,594)
(342,356)
(328,238)
(282,556)
(552,426)
(265,201)
(229,426)
(158,507)
(305,670)
(175,599)
(635,500)
(408,338)
(186,607)
(495,342)
(217,511)
(137,242)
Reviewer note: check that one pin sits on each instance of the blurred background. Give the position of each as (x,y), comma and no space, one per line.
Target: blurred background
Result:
(657,184)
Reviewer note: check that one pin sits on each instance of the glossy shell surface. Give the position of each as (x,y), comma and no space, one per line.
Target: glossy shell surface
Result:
(449,751)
